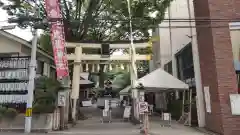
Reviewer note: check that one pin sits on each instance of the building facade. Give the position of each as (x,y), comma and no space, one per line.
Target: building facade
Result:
(203,51)
(13,46)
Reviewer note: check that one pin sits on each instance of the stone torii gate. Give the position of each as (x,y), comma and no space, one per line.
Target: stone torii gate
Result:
(81,59)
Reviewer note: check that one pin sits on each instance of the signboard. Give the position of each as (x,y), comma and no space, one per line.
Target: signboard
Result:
(14,79)
(57,37)
(143,107)
(105,113)
(127,112)
(58,43)
(62,98)
(107,104)
(235,104)
(14,74)
(166,116)
(13,99)
(14,86)
(14,62)
(86,103)
(207,99)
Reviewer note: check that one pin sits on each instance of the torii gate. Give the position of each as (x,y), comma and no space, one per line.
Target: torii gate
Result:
(78,57)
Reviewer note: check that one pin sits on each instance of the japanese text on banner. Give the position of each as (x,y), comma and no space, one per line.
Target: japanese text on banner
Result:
(57,37)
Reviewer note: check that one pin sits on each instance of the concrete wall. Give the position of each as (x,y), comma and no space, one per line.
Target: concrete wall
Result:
(9,46)
(179,36)
(41,123)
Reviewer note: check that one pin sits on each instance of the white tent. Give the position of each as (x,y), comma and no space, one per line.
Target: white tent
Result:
(159,80)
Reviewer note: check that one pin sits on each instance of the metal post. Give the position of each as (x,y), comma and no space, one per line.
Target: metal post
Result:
(32,74)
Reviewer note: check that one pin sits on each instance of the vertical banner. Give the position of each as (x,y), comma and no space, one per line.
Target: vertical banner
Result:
(57,37)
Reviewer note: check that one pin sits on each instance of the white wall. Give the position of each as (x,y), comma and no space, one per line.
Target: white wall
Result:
(8,46)
(177,10)
(235,34)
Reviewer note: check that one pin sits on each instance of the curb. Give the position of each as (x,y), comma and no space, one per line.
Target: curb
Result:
(205,131)
(22,130)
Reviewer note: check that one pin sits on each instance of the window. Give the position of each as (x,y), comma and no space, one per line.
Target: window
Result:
(40,66)
(53,73)
(168,67)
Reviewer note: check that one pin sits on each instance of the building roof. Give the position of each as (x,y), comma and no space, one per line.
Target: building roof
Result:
(25,43)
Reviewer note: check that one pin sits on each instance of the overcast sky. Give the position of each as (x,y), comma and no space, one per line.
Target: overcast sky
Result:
(23,33)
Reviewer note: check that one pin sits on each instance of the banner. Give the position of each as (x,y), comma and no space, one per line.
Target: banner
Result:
(57,37)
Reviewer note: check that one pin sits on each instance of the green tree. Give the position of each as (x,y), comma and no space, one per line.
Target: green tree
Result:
(96,20)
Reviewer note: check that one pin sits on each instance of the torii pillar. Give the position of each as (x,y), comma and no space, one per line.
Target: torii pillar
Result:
(216,62)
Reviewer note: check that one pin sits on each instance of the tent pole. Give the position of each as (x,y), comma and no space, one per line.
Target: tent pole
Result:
(190,107)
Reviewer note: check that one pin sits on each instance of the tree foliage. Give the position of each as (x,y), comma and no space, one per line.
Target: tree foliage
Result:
(98,20)
(95,20)
(45,95)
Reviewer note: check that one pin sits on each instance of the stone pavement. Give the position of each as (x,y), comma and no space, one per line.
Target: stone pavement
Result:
(93,126)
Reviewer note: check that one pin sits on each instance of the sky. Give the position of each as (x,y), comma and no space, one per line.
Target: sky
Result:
(22,33)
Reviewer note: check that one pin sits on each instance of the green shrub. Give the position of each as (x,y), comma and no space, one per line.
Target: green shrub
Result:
(43,108)
(45,95)
(11,113)
(1,117)
(3,110)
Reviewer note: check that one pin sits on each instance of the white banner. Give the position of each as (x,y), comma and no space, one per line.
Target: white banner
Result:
(13,98)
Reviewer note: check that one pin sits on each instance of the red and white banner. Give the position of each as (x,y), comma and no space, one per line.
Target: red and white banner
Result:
(57,37)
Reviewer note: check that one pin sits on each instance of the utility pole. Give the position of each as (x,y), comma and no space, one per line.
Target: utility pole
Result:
(32,74)
(133,71)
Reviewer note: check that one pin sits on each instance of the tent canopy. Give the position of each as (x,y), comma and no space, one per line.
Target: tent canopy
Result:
(159,81)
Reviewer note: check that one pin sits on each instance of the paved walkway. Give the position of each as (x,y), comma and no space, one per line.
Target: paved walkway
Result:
(93,126)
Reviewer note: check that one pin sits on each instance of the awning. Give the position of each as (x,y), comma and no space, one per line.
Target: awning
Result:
(159,80)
